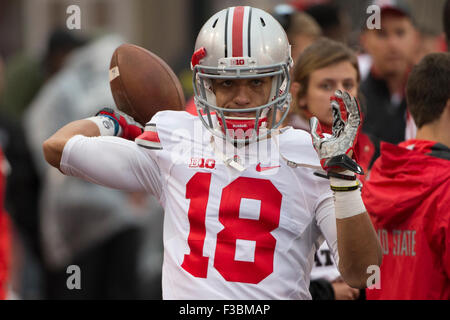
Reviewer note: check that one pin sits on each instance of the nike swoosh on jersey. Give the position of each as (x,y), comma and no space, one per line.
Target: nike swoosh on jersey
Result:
(261,169)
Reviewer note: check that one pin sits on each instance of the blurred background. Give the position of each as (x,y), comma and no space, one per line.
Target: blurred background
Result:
(51,75)
(26,25)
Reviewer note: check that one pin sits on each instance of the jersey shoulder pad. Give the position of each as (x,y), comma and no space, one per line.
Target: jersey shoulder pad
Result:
(160,130)
(297,148)
(149,139)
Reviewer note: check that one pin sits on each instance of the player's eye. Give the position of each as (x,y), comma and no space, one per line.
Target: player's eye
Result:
(256,82)
(226,83)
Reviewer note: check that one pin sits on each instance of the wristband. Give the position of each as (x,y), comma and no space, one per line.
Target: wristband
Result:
(327,175)
(337,180)
(344,189)
(351,177)
(348,204)
(107,126)
(347,196)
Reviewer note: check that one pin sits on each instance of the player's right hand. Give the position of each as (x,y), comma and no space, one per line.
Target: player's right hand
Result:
(125,126)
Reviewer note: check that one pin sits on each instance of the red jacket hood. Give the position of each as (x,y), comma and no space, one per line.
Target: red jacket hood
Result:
(402,179)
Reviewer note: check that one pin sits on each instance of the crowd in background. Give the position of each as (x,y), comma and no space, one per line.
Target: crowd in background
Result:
(51,221)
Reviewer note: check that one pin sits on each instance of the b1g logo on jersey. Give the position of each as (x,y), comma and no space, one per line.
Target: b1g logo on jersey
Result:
(202,163)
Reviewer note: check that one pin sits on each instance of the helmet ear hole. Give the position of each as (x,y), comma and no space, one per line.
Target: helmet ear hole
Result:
(263,23)
(215,22)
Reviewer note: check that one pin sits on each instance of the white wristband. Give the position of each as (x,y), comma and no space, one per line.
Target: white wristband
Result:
(106,126)
(348,204)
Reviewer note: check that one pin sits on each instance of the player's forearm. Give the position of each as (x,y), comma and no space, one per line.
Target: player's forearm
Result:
(357,242)
(53,147)
(358,248)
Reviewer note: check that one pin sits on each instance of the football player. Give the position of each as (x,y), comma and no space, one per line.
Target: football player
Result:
(244,211)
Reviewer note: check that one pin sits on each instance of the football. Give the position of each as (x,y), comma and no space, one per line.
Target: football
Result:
(143,84)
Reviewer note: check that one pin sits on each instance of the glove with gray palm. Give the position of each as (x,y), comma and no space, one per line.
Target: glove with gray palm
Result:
(336,152)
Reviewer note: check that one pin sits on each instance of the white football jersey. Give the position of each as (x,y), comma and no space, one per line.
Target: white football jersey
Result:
(240,223)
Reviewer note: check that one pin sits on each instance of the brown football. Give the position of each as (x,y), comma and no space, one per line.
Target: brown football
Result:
(143,84)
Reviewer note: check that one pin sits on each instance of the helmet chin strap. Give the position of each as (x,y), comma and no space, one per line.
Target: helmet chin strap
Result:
(241,127)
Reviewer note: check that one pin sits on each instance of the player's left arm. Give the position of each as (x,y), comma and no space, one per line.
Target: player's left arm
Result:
(358,248)
(357,243)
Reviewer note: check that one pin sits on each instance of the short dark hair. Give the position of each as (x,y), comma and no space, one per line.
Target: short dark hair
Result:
(427,91)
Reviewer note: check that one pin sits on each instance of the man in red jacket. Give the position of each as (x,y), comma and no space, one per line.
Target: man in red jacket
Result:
(408,193)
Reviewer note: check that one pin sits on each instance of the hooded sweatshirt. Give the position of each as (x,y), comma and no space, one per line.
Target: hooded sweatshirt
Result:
(408,198)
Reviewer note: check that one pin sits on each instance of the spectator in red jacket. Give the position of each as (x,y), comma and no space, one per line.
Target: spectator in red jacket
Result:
(408,193)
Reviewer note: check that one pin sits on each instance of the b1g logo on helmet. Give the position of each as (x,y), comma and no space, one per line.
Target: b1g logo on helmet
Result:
(237,62)
(202,163)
